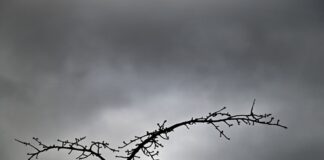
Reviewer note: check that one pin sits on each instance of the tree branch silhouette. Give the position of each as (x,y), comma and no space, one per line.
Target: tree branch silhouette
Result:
(85,151)
(149,143)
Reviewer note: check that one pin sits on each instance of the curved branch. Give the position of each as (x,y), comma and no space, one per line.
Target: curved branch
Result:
(148,143)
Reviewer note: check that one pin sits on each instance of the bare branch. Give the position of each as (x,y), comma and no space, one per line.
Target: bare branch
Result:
(84,151)
(149,143)
(144,143)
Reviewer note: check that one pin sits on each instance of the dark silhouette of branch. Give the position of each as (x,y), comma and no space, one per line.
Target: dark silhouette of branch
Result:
(85,151)
(149,143)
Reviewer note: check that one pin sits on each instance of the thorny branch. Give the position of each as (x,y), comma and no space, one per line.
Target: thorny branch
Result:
(150,142)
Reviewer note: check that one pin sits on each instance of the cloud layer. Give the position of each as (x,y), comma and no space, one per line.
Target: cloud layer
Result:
(82,68)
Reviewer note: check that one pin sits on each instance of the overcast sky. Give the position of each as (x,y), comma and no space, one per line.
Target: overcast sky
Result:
(110,70)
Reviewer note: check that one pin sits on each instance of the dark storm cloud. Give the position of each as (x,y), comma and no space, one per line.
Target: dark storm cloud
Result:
(63,64)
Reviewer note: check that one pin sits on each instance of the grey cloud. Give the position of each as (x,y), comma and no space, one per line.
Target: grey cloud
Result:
(64,63)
